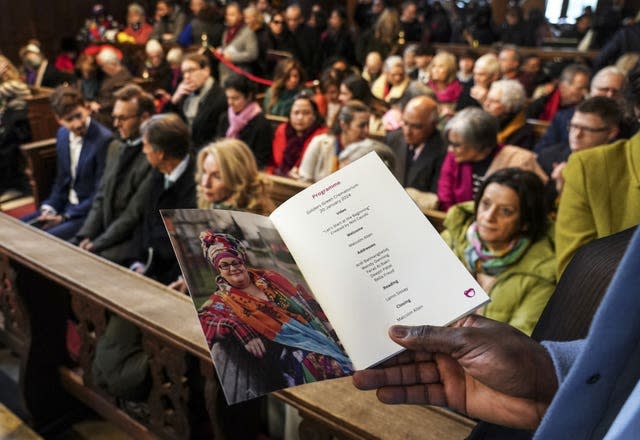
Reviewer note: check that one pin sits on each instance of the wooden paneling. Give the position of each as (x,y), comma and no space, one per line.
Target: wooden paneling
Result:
(48,21)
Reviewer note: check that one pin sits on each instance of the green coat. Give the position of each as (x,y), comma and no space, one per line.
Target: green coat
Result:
(601,196)
(521,292)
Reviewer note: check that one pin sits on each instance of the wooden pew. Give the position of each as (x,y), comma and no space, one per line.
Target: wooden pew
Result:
(43,122)
(275,120)
(282,188)
(46,282)
(41,167)
(539,126)
(331,409)
(546,53)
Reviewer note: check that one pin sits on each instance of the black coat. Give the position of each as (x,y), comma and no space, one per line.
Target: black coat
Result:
(210,108)
(117,206)
(257,134)
(14,131)
(181,195)
(423,173)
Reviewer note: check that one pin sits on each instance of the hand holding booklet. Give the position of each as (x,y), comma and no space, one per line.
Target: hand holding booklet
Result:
(310,292)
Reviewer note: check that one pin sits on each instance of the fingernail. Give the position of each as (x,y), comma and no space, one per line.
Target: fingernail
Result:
(399,331)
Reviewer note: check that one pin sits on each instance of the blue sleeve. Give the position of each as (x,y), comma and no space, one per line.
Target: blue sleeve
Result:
(186,38)
(563,355)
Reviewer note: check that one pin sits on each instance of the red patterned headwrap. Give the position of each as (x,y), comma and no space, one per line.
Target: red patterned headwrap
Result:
(216,246)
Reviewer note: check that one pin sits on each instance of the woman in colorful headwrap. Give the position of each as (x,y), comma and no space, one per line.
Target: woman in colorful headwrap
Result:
(506,243)
(262,309)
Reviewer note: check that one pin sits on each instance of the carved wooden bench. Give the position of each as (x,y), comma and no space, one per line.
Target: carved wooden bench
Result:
(45,282)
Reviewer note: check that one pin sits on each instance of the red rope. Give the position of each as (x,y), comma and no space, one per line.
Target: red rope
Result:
(236,69)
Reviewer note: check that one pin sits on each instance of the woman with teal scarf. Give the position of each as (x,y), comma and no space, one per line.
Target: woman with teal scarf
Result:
(505,240)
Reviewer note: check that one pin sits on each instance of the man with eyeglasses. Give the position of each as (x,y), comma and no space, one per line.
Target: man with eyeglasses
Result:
(109,228)
(601,193)
(81,148)
(198,99)
(610,82)
(595,122)
(418,146)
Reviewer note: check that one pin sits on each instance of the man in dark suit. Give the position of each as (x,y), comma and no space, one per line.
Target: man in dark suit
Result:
(81,148)
(165,142)
(199,100)
(109,228)
(306,39)
(418,146)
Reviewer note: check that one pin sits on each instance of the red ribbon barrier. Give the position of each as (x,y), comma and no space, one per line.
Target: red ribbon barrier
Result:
(254,78)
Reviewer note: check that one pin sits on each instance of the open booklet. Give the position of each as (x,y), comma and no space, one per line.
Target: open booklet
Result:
(310,292)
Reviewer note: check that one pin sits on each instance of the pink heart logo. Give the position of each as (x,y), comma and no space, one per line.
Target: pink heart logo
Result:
(469,293)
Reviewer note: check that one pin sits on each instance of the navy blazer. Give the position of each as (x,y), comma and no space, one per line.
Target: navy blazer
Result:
(88,173)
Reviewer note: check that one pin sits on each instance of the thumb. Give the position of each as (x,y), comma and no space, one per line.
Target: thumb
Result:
(428,338)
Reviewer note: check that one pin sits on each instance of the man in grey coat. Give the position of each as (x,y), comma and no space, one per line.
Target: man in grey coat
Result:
(108,229)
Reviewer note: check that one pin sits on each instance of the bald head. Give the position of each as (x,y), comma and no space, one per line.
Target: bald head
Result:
(419,120)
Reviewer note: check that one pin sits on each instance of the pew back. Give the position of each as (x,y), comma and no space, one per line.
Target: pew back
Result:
(41,167)
(41,118)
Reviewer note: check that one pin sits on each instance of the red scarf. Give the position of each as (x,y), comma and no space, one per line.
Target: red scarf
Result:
(551,106)
(231,33)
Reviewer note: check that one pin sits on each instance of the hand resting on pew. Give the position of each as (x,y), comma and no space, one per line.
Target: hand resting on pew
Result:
(479,367)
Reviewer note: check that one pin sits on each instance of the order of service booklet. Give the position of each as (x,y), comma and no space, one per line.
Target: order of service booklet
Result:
(310,292)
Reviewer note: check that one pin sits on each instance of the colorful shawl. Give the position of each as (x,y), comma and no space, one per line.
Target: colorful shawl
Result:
(288,318)
(482,260)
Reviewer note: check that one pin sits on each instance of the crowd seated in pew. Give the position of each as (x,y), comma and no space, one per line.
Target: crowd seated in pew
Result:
(301,128)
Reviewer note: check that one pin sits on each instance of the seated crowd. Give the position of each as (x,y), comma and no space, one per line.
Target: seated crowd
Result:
(457,133)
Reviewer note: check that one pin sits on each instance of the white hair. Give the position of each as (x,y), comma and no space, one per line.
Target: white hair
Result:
(174,56)
(108,56)
(393,61)
(153,47)
(512,95)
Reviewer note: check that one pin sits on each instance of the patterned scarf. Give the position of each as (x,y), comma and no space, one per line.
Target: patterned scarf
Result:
(232,32)
(293,149)
(479,259)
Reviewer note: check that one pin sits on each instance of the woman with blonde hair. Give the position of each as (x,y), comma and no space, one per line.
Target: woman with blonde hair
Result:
(288,80)
(227,177)
(443,79)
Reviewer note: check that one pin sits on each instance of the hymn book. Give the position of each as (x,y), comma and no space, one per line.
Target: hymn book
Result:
(357,244)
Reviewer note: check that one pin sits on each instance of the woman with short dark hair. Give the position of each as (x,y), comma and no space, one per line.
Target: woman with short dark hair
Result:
(294,136)
(244,119)
(505,241)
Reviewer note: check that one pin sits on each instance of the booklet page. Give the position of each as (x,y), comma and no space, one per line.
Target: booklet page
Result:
(373,259)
